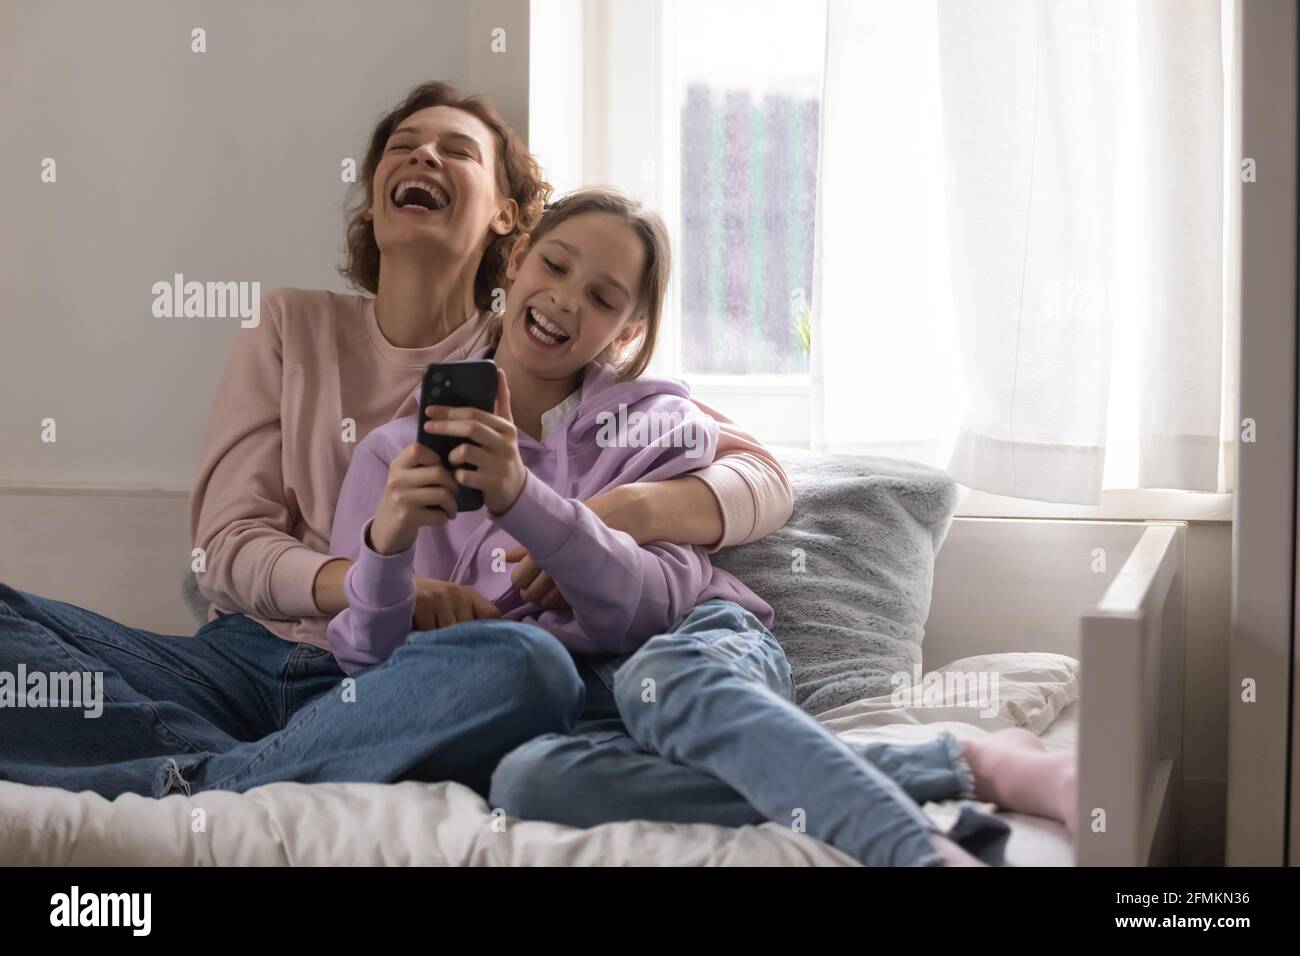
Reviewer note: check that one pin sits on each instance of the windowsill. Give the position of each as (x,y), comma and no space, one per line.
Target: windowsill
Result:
(1117,504)
(775,409)
(1126,504)
(741,385)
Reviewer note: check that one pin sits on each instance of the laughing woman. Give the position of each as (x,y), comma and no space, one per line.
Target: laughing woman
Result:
(254,696)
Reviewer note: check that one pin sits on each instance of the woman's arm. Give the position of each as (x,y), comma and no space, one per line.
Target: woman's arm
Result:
(238,512)
(327,589)
(682,510)
(742,496)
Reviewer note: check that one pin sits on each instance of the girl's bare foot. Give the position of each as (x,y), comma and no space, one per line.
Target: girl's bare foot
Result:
(1014,770)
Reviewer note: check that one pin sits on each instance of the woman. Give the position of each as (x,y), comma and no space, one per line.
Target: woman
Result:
(255,696)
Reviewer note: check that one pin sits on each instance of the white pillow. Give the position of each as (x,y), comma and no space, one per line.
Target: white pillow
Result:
(991,691)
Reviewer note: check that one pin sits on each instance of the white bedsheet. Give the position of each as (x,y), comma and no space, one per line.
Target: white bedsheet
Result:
(448,824)
(1036,691)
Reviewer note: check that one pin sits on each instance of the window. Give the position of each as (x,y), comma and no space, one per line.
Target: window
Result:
(747,90)
(711,117)
(710,111)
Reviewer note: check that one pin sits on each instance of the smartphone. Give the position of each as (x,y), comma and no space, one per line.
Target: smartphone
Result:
(471,384)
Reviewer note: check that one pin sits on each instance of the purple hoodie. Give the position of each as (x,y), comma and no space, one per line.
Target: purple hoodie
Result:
(621,594)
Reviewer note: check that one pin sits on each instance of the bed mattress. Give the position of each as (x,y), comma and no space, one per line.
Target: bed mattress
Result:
(448,824)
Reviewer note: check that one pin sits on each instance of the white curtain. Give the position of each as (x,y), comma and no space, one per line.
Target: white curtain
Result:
(1011,193)
(886,373)
(1179,44)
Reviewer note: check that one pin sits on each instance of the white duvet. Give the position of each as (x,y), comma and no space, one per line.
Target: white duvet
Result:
(447,824)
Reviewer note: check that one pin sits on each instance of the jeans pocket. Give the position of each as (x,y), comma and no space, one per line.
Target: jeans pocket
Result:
(309,671)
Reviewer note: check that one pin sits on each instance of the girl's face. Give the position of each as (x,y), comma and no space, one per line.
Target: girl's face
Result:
(572,295)
(436,184)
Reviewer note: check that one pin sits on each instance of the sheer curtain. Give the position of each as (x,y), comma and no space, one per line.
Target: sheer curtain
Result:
(1011,193)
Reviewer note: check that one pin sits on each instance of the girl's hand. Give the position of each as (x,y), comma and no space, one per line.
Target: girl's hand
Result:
(535,585)
(419,492)
(442,604)
(495,452)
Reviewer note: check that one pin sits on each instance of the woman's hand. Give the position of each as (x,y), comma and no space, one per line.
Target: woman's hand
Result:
(500,472)
(442,604)
(419,492)
(624,509)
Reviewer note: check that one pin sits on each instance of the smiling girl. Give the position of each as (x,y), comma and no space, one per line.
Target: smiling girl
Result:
(676,718)
(581,288)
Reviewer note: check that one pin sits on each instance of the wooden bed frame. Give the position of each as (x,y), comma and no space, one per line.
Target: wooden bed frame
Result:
(1110,593)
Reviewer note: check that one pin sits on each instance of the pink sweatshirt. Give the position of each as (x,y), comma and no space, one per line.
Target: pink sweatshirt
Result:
(298,393)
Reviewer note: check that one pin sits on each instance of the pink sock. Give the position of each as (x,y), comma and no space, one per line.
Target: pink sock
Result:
(1013,769)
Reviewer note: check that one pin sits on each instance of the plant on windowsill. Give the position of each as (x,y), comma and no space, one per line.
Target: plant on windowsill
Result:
(803,326)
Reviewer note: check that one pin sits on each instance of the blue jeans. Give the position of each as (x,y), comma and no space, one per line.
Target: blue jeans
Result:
(235,707)
(699,726)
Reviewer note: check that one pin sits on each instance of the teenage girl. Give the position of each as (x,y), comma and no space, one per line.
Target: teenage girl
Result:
(690,723)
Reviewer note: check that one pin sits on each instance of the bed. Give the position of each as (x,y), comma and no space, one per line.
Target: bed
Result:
(449,825)
(1082,621)
(1110,595)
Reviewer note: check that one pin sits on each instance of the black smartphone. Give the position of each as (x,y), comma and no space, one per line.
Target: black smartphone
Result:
(472,384)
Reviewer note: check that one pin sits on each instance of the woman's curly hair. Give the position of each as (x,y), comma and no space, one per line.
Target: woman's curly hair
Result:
(518,177)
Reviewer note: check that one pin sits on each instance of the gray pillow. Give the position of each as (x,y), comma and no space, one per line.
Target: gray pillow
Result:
(868,530)
(194,600)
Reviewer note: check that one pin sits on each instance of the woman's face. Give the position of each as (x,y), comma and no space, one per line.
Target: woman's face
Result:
(436,185)
(572,294)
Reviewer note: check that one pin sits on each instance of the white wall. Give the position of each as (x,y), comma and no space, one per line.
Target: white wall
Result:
(499,44)
(223,166)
